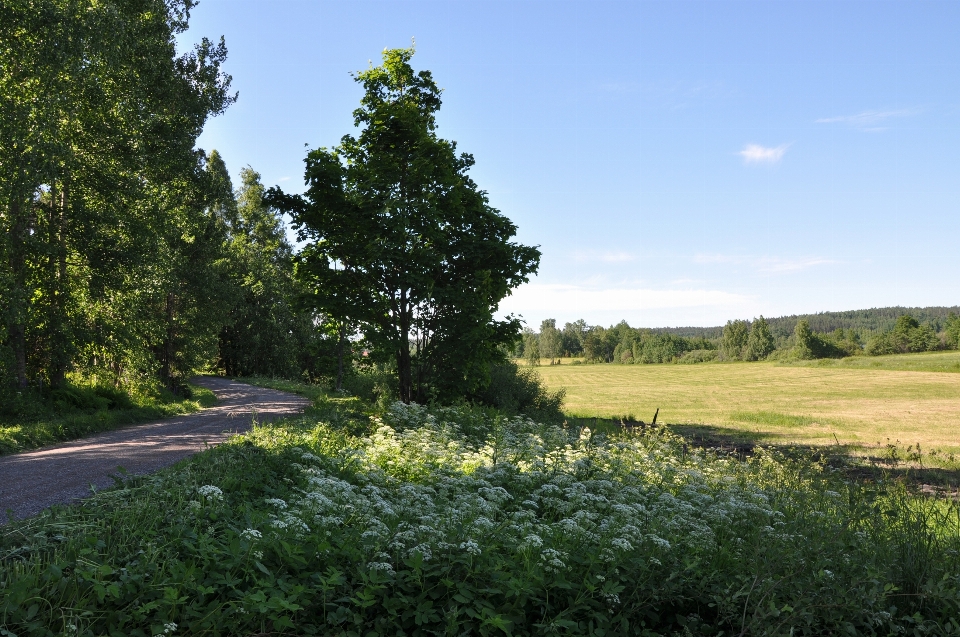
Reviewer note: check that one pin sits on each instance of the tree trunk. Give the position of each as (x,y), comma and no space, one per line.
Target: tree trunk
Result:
(343,328)
(58,339)
(165,372)
(19,229)
(403,354)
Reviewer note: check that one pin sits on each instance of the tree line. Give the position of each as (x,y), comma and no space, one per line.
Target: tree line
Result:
(737,340)
(127,256)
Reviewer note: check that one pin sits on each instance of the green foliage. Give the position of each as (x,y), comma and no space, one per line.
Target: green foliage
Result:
(550,341)
(516,391)
(952,331)
(810,345)
(572,337)
(462,521)
(760,343)
(698,356)
(734,340)
(862,322)
(105,235)
(403,244)
(264,333)
(624,344)
(531,347)
(907,335)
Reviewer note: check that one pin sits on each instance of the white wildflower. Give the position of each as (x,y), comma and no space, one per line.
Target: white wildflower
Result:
(251,534)
(386,567)
(423,550)
(277,502)
(621,544)
(552,561)
(210,492)
(470,547)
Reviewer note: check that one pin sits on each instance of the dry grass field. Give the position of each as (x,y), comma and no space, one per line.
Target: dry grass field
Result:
(861,403)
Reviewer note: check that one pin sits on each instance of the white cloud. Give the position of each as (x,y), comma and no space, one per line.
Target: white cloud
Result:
(537,298)
(757,154)
(868,120)
(284,179)
(767,265)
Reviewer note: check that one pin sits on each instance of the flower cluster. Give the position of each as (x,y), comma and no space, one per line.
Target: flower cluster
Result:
(210,492)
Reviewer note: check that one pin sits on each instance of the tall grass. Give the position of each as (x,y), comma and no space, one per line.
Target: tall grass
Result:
(30,420)
(459,521)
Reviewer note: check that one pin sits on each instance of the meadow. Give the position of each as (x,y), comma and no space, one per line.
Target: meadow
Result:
(861,403)
(357,520)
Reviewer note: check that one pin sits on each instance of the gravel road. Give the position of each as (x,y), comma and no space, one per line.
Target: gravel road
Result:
(34,480)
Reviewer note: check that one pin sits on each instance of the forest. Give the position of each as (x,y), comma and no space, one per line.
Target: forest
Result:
(873,332)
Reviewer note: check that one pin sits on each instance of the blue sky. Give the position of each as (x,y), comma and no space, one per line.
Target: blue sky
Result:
(678,163)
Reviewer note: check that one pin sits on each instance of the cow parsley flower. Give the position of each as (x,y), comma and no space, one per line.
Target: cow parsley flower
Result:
(533,541)
(210,492)
(470,547)
(552,562)
(385,567)
(621,544)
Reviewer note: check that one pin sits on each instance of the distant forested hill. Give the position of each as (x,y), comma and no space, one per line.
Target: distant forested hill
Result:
(865,322)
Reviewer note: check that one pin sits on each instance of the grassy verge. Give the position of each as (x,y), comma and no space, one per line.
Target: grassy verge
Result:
(462,522)
(943,362)
(82,412)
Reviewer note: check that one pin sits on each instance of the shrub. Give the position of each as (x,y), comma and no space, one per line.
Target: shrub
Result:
(698,356)
(371,384)
(520,391)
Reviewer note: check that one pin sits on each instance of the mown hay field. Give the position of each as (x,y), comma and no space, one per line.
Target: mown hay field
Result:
(862,403)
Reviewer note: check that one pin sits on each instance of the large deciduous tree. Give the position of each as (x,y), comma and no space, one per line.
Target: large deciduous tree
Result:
(402,242)
(98,120)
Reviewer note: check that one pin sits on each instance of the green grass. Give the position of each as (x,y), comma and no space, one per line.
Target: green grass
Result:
(948,362)
(860,408)
(82,411)
(460,522)
(313,392)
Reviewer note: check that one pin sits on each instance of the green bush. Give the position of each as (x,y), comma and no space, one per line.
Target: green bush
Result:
(371,384)
(698,356)
(519,391)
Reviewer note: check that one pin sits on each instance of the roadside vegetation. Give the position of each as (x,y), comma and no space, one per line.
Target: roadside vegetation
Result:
(28,420)
(355,520)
